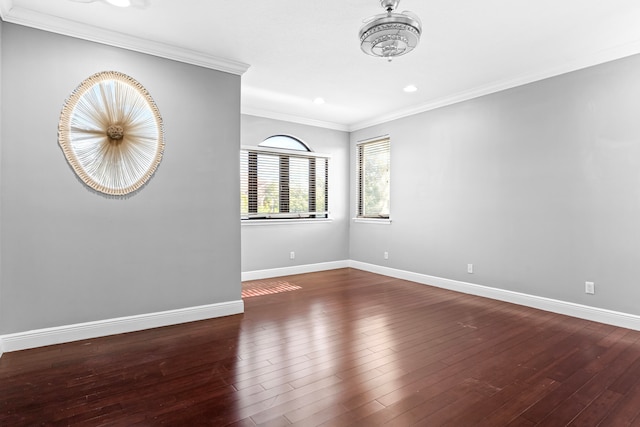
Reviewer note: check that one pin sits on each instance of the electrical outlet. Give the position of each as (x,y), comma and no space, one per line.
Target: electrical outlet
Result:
(386,255)
(589,288)
(469,268)
(292,255)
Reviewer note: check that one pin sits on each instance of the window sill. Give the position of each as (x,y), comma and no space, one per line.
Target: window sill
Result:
(284,221)
(381,221)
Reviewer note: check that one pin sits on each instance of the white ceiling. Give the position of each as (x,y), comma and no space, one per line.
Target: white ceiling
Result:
(297,50)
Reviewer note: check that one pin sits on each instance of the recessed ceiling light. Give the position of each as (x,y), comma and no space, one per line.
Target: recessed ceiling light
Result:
(120,3)
(318,101)
(410,88)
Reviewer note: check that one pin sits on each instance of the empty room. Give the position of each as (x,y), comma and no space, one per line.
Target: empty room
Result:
(319,213)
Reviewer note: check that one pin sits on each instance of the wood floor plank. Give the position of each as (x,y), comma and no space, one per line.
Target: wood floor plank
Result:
(596,410)
(626,410)
(347,348)
(523,397)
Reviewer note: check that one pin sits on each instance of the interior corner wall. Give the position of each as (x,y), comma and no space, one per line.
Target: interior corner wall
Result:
(71,255)
(538,187)
(267,246)
(1,135)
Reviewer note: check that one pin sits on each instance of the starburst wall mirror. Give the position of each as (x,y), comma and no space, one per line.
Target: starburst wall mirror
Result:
(111,133)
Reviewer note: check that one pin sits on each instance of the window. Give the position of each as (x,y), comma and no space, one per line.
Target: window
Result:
(374,163)
(282,178)
(286,142)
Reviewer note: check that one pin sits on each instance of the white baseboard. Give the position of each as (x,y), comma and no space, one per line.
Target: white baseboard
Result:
(595,314)
(298,269)
(120,325)
(62,334)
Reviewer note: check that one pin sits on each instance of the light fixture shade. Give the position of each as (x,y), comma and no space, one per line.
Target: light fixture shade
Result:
(390,34)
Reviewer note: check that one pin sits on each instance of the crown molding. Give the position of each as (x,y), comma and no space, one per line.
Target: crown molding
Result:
(267,114)
(5,7)
(598,58)
(30,18)
(27,17)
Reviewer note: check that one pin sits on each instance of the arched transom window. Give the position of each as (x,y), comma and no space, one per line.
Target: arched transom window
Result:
(286,142)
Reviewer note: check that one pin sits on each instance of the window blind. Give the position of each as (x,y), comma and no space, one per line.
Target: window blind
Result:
(276,183)
(374,172)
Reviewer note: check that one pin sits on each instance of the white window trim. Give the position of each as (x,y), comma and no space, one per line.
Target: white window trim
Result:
(276,221)
(379,221)
(298,153)
(284,221)
(370,220)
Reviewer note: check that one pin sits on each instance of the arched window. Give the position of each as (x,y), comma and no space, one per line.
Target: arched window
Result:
(284,141)
(283,178)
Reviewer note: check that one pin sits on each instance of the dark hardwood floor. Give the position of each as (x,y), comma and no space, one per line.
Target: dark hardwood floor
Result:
(346,348)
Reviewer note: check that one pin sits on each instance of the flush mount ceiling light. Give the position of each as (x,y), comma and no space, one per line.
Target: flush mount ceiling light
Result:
(390,34)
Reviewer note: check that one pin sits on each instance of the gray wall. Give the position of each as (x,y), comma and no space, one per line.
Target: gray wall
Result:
(1,119)
(538,187)
(71,255)
(268,246)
